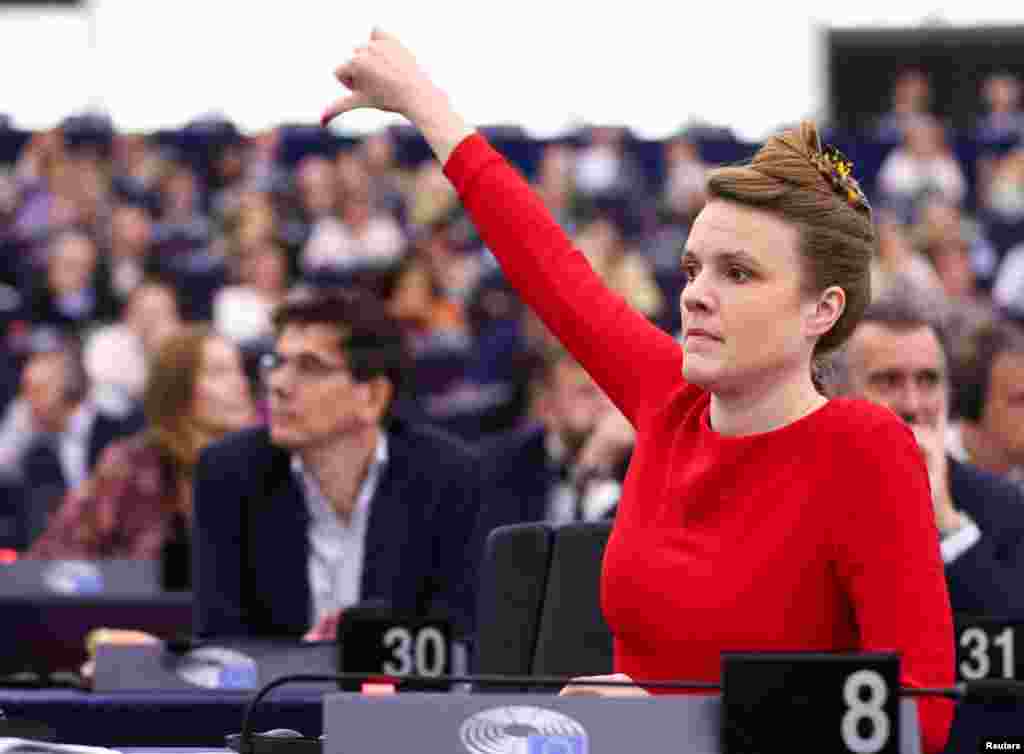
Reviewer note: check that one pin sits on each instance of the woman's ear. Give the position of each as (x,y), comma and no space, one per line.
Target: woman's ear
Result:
(830,305)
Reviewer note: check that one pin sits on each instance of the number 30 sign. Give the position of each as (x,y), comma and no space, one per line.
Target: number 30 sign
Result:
(377,640)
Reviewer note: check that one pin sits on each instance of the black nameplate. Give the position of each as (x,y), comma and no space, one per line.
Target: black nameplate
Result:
(987,648)
(822,702)
(381,641)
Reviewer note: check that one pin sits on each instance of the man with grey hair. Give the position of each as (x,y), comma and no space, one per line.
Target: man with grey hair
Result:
(897,357)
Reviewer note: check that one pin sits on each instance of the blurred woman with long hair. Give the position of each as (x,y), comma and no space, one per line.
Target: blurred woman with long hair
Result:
(138,503)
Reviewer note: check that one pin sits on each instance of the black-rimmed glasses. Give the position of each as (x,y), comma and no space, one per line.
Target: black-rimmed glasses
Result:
(307,366)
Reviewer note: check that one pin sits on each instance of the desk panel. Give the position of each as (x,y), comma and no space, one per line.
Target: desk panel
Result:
(156,718)
(47,633)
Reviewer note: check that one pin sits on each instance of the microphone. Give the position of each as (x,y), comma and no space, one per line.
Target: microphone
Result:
(991,690)
(981,691)
(180,644)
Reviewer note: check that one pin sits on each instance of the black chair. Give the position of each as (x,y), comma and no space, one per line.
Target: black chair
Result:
(13,526)
(573,638)
(538,609)
(513,582)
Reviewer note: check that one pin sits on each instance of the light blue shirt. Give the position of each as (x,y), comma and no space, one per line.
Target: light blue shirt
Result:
(599,496)
(336,549)
(73,445)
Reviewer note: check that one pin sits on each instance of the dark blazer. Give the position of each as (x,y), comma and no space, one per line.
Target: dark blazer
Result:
(42,306)
(988,579)
(517,478)
(250,546)
(44,481)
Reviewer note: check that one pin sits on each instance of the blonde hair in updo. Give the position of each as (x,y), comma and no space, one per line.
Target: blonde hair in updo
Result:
(793,178)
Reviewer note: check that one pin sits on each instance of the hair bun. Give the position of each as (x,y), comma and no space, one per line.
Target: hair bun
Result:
(810,137)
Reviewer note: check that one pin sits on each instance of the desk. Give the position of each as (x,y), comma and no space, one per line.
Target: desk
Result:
(160,718)
(47,632)
(167,720)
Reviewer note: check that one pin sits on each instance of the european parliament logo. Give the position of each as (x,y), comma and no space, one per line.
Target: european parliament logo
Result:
(218,668)
(522,730)
(556,745)
(73,577)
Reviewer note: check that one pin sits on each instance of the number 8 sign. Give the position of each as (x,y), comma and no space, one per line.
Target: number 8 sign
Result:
(869,708)
(844,702)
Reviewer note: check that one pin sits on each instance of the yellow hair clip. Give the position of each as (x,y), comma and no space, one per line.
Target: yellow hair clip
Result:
(837,169)
(839,161)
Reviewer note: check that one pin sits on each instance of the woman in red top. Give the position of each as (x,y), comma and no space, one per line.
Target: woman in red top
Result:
(756,514)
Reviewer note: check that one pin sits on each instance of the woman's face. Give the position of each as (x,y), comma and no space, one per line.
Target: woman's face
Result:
(412,298)
(356,211)
(72,265)
(131,229)
(316,186)
(153,314)
(265,269)
(179,193)
(925,140)
(222,401)
(744,316)
(952,262)
(351,175)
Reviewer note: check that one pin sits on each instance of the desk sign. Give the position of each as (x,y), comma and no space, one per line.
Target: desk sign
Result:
(380,640)
(987,648)
(814,701)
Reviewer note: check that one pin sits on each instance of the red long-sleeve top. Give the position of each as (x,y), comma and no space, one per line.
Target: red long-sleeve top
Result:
(815,536)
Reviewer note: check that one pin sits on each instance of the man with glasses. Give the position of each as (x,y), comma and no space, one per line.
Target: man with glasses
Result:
(336,501)
(897,357)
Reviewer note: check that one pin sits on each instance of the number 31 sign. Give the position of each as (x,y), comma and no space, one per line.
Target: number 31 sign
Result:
(986,648)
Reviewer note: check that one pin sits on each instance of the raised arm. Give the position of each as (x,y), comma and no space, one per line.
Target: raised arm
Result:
(382,74)
(632,360)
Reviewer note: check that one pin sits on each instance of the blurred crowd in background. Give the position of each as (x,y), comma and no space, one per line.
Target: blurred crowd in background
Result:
(111,243)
